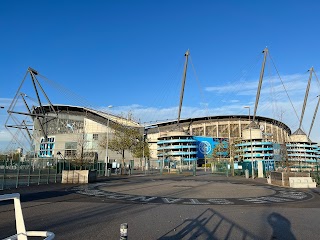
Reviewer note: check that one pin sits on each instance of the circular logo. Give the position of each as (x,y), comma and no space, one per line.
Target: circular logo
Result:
(204,147)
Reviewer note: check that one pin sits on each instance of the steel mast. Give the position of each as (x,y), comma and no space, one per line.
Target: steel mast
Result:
(265,52)
(183,84)
(316,110)
(306,97)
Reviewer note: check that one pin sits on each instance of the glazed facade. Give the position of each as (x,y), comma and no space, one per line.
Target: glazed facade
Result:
(230,127)
(177,148)
(303,154)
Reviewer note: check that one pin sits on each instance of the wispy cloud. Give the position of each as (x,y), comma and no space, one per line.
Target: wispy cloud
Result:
(229,99)
(273,103)
(292,83)
(5,102)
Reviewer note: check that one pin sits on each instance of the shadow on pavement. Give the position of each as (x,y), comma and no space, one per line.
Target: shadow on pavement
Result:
(209,225)
(281,227)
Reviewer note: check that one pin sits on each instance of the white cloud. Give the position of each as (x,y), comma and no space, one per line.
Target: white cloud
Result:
(5,135)
(273,103)
(292,83)
(229,99)
(5,102)
(5,138)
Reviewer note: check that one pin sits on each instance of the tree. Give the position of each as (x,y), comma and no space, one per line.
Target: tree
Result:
(141,149)
(125,138)
(222,150)
(233,151)
(83,156)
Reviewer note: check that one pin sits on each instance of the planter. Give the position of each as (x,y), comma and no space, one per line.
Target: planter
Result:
(78,176)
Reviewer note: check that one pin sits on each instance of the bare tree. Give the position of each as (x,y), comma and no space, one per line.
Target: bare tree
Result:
(83,156)
(125,139)
(141,149)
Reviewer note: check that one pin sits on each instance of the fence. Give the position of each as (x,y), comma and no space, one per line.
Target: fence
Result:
(34,171)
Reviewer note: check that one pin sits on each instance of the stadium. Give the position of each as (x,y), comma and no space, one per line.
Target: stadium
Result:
(66,131)
(69,126)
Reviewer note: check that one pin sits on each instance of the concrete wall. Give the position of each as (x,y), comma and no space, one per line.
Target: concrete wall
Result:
(78,176)
(282,178)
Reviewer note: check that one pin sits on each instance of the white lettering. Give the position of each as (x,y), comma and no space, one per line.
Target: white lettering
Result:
(143,198)
(220,201)
(195,201)
(171,200)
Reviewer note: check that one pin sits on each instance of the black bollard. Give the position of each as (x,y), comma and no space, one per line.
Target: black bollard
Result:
(124,231)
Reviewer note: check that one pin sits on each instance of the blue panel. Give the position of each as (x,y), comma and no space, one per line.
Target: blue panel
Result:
(206,145)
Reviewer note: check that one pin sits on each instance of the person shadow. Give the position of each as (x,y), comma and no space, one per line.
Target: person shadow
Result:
(281,227)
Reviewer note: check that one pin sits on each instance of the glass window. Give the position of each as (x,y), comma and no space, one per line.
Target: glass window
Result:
(70,145)
(95,136)
(70,153)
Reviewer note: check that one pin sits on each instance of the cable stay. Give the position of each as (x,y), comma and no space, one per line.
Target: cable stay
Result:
(200,89)
(266,55)
(299,131)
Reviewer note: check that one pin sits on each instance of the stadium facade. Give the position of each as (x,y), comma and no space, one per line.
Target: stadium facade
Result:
(69,127)
(267,136)
(75,129)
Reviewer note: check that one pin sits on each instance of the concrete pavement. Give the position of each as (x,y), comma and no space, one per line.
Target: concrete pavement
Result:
(169,207)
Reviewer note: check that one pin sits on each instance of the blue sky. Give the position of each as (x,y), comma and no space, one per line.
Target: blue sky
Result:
(130,54)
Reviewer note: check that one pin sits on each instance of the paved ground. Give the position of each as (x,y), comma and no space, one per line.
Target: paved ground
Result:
(169,207)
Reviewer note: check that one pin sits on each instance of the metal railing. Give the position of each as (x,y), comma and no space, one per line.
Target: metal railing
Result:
(36,171)
(22,234)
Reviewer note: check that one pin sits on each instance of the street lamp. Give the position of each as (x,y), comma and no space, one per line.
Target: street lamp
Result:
(252,169)
(145,140)
(143,157)
(107,145)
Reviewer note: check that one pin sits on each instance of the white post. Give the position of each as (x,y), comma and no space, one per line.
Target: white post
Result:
(124,231)
(205,163)
(145,163)
(252,169)
(107,145)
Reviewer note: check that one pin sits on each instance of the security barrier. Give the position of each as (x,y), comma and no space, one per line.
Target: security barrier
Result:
(22,234)
(36,171)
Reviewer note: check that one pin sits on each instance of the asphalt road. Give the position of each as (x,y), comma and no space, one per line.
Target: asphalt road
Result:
(168,207)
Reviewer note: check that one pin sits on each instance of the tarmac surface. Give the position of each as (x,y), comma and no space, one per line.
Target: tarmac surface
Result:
(204,189)
(170,206)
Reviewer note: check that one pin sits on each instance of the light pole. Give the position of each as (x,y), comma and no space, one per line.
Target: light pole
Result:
(107,146)
(252,169)
(143,157)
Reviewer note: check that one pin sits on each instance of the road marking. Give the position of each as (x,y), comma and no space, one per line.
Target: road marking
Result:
(280,196)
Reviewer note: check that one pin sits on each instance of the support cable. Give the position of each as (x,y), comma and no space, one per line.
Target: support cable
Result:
(199,86)
(284,87)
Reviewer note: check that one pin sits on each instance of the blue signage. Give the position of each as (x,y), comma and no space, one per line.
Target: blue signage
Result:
(206,146)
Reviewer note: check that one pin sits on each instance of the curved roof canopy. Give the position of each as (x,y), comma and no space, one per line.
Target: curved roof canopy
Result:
(91,113)
(221,118)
